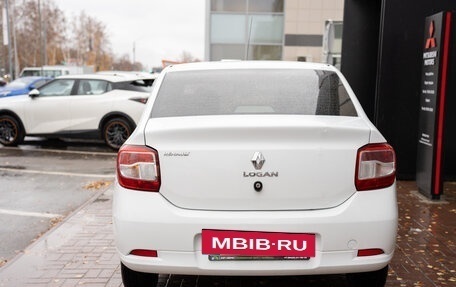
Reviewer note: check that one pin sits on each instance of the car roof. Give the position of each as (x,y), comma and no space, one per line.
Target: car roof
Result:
(129,73)
(114,77)
(35,78)
(237,64)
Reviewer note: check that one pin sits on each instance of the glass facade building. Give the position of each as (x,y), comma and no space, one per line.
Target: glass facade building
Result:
(245,29)
(292,30)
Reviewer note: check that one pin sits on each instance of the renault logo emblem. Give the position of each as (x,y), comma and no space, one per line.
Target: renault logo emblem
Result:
(258,160)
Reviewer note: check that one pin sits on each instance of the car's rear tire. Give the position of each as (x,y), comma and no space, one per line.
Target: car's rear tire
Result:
(132,278)
(371,279)
(11,131)
(116,131)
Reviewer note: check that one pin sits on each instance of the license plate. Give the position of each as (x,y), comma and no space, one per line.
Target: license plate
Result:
(258,244)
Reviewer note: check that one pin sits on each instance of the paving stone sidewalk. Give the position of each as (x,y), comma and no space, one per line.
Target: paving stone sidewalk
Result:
(80,251)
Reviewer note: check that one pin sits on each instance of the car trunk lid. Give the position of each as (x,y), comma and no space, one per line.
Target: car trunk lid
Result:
(214,162)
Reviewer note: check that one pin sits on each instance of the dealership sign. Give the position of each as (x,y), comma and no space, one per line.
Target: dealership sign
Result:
(435,61)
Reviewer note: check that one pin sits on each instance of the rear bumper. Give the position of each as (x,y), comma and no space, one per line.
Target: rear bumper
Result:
(144,220)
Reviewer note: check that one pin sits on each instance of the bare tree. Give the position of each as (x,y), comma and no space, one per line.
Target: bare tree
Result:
(44,36)
(32,36)
(123,63)
(27,28)
(89,43)
(187,57)
(54,23)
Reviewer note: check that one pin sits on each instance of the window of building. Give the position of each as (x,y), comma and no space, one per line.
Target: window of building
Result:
(246,29)
(227,51)
(264,52)
(229,5)
(266,29)
(228,28)
(266,6)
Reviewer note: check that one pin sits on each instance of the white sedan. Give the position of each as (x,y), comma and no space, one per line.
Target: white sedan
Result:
(255,168)
(80,106)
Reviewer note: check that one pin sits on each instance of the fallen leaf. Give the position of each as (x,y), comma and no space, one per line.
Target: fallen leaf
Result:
(97,184)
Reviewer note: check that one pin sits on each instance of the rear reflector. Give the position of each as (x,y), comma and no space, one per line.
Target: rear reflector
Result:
(144,253)
(370,252)
(138,168)
(375,167)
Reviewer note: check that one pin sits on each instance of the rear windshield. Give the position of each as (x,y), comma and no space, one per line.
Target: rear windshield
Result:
(228,92)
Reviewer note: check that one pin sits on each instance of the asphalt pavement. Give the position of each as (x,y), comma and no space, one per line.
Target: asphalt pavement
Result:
(42,186)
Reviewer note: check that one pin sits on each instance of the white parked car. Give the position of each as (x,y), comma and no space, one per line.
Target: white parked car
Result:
(80,106)
(255,168)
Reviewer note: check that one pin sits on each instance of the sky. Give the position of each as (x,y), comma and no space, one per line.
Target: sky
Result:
(159,29)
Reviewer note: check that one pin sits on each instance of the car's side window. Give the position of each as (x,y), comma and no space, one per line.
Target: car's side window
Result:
(39,83)
(57,88)
(92,87)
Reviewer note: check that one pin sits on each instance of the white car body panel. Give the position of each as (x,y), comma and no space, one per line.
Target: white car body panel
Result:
(88,110)
(202,163)
(45,115)
(206,161)
(176,234)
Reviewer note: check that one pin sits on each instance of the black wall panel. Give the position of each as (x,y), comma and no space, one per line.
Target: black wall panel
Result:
(360,49)
(381,58)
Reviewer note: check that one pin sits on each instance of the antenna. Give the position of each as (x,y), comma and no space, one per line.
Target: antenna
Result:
(247,45)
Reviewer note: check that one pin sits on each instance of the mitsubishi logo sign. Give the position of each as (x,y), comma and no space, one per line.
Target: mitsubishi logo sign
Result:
(258,160)
(430,42)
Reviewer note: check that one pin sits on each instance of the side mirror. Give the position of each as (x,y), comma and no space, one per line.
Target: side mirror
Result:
(34,93)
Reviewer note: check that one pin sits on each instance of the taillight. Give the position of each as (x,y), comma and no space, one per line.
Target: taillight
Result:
(375,167)
(140,100)
(138,168)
